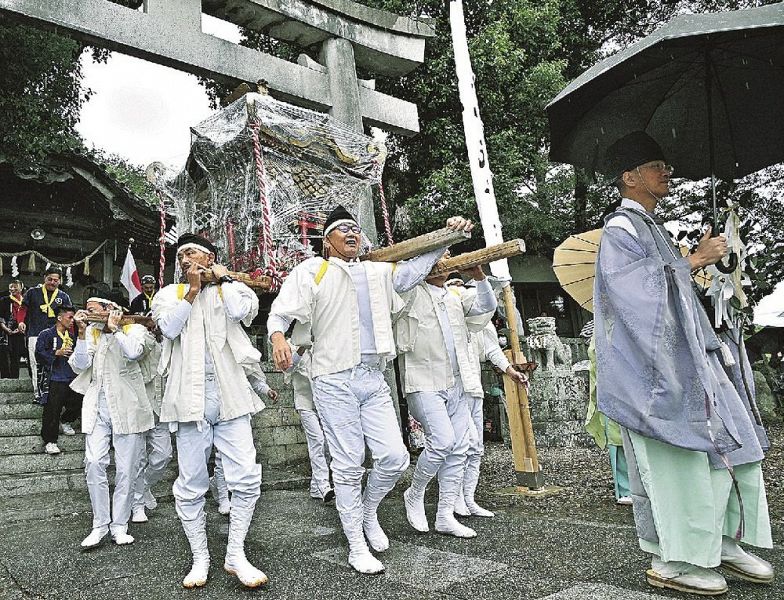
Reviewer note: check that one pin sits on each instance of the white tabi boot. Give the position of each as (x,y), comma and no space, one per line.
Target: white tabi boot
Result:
(121,536)
(138,515)
(220,491)
(359,556)
(744,565)
(236,563)
(322,490)
(445,516)
(150,503)
(461,510)
(315,492)
(196,532)
(376,537)
(685,577)
(95,538)
(470,483)
(414,499)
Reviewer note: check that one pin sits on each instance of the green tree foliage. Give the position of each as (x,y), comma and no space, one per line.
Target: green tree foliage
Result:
(40,76)
(42,92)
(127,174)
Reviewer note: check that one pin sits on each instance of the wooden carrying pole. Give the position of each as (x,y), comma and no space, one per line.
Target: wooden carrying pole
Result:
(526,464)
(124,320)
(479,257)
(526,461)
(416,246)
(262,283)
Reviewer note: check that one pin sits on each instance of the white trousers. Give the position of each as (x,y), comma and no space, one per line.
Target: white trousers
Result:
(234,440)
(156,454)
(446,421)
(31,341)
(355,407)
(477,446)
(319,480)
(127,458)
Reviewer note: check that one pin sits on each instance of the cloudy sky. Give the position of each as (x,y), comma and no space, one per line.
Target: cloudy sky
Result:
(142,111)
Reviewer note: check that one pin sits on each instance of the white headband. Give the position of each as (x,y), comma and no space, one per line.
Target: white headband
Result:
(195,247)
(103,301)
(332,226)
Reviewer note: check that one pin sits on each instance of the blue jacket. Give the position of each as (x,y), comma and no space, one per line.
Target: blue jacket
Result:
(46,345)
(37,320)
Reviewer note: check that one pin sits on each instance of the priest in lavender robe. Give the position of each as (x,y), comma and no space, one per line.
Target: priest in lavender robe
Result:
(692,443)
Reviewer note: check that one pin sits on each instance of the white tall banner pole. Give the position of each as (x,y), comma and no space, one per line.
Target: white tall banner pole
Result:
(478,159)
(526,462)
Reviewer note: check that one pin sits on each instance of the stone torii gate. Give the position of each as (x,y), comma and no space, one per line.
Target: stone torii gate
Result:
(349,35)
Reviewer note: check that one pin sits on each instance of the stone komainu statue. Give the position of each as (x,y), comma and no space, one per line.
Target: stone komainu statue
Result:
(546,347)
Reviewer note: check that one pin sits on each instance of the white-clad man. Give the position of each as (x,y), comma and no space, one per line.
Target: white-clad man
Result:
(349,305)
(438,372)
(115,414)
(485,347)
(158,446)
(209,400)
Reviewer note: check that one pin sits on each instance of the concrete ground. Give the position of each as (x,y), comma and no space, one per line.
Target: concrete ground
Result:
(530,550)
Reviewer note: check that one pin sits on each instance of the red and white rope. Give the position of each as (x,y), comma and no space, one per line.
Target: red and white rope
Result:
(265,233)
(162,239)
(385,213)
(384,207)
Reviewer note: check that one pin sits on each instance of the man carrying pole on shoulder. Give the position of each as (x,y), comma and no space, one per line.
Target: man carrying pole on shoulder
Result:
(209,400)
(115,414)
(439,373)
(348,306)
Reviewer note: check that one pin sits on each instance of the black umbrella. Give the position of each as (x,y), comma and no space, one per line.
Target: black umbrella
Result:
(709,88)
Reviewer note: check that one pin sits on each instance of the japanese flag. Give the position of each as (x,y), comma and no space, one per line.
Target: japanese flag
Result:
(130,277)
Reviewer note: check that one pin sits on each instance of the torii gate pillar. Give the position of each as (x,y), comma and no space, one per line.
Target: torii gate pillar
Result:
(337,55)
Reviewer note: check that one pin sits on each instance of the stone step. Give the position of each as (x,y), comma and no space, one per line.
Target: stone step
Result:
(25,484)
(33,444)
(14,427)
(16,385)
(40,463)
(21,485)
(16,397)
(28,410)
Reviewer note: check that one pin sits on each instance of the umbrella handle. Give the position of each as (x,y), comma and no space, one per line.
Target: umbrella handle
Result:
(730,266)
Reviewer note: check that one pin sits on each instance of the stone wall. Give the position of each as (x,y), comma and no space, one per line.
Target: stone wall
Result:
(558,402)
(277,432)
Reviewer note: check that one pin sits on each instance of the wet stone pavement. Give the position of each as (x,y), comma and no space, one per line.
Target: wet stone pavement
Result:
(548,548)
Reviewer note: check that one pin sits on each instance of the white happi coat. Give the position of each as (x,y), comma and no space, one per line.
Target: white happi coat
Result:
(485,346)
(325,300)
(183,358)
(299,377)
(425,363)
(109,367)
(148,363)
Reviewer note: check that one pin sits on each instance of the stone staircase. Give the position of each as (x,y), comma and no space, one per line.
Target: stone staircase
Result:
(24,469)
(36,485)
